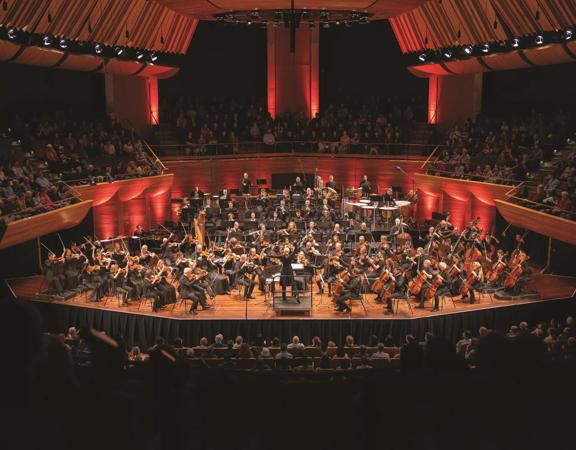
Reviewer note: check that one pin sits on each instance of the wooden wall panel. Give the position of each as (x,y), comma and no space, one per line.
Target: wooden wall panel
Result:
(556,227)
(212,175)
(42,224)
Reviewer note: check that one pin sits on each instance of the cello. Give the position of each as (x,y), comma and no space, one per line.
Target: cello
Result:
(515,274)
(434,285)
(416,283)
(341,278)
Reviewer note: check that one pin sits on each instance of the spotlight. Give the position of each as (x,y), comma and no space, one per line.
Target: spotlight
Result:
(539,40)
(249,23)
(63,43)
(467,49)
(118,51)
(326,25)
(153,57)
(485,48)
(568,34)
(47,40)
(139,55)
(515,43)
(11,33)
(447,53)
(98,49)
(423,57)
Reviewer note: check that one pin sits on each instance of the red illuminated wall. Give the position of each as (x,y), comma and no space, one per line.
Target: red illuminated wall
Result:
(211,175)
(454,98)
(293,78)
(464,200)
(118,207)
(134,99)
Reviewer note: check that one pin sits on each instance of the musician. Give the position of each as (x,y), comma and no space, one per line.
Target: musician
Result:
(365,186)
(445,229)
(165,290)
(475,276)
(73,265)
(188,290)
(388,198)
(399,288)
(150,290)
(139,231)
(245,184)
(307,211)
(53,273)
(197,194)
(331,183)
(427,271)
(135,279)
(282,212)
(298,187)
(245,275)
(351,291)
(118,283)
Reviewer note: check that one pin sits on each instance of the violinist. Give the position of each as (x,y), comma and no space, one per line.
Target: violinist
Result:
(118,282)
(135,278)
(151,290)
(54,274)
(165,290)
(188,291)
(73,265)
(245,275)
(100,275)
(350,291)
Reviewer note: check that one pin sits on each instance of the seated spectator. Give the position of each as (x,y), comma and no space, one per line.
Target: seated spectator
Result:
(380,353)
(284,353)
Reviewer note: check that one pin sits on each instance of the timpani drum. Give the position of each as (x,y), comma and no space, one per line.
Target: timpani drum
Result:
(404,206)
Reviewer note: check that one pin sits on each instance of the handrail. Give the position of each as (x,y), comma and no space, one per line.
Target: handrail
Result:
(317,141)
(55,204)
(430,156)
(466,177)
(544,205)
(120,177)
(154,154)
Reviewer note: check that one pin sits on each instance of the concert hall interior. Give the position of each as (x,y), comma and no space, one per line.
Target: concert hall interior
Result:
(316,211)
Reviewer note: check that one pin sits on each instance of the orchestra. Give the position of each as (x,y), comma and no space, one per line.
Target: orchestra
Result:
(237,242)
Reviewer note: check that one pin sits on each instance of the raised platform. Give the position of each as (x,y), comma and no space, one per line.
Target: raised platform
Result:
(233,316)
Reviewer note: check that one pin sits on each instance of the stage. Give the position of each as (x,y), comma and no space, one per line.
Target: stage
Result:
(231,315)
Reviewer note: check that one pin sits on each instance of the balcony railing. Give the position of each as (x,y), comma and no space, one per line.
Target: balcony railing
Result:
(317,147)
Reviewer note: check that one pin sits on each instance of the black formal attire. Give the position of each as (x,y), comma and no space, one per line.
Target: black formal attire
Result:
(245,186)
(351,291)
(188,291)
(287,275)
(53,273)
(366,188)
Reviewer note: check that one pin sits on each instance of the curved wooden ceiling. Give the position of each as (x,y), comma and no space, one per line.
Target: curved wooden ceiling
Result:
(441,24)
(205,9)
(143,24)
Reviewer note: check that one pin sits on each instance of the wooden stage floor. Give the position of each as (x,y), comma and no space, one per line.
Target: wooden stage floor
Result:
(231,307)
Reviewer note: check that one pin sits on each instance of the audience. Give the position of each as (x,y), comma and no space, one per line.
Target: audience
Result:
(48,150)
(355,127)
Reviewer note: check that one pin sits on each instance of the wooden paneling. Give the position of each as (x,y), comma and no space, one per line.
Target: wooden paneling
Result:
(555,227)
(126,189)
(214,174)
(132,23)
(461,189)
(39,225)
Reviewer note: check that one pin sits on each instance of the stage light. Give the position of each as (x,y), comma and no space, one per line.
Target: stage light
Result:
(447,53)
(467,49)
(12,33)
(326,25)
(98,49)
(63,43)
(568,34)
(515,43)
(485,48)
(423,57)
(539,40)
(47,40)
(118,51)
(324,15)
(153,57)
(139,55)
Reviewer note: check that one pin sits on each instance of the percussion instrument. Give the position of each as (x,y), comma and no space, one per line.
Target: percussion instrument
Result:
(404,206)
(330,194)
